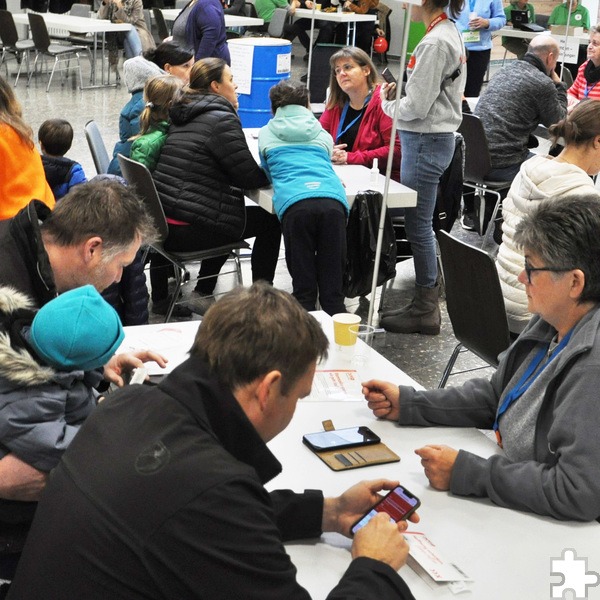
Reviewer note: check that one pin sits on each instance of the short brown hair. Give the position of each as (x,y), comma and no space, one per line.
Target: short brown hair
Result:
(251,331)
(56,136)
(106,209)
(287,92)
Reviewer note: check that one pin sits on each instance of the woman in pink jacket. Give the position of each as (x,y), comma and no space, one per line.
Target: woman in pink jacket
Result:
(353,116)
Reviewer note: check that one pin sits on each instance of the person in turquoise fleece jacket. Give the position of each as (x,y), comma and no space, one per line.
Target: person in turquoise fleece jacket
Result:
(308,198)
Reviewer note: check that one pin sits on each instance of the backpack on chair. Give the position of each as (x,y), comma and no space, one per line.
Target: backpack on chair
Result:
(361,233)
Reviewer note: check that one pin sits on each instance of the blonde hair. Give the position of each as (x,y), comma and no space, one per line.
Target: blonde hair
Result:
(11,113)
(160,93)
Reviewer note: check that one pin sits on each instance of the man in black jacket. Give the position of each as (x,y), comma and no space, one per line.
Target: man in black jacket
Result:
(161,493)
(90,236)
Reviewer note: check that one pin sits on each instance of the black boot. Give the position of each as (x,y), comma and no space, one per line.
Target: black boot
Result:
(422,317)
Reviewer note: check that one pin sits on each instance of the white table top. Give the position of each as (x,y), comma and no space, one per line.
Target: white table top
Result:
(509,31)
(507,553)
(337,17)
(171,14)
(75,24)
(355,178)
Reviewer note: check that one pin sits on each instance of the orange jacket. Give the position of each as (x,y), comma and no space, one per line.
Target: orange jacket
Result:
(22,176)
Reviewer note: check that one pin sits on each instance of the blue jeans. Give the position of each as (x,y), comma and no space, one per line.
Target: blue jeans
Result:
(132,45)
(425,157)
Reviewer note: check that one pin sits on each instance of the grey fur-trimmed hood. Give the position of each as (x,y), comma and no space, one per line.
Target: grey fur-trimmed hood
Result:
(18,367)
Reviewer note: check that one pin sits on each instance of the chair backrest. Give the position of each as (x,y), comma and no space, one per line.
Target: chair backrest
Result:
(566,76)
(147,18)
(138,176)
(8,29)
(250,10)
(161,24)
(474,298)
(39,32)
(97,147)
(542,20)
(80,10)
(477,155)
(277,23)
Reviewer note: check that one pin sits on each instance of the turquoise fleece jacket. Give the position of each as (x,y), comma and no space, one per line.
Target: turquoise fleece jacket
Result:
(295,151)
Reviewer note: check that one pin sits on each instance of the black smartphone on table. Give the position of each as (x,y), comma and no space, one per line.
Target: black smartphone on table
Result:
(340,438)
(399,504)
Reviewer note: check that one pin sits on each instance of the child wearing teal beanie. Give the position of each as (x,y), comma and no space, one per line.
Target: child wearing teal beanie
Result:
(49,370)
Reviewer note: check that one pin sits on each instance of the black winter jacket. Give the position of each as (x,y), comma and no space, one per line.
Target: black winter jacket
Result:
(25,265)
(168,503)
(204,166)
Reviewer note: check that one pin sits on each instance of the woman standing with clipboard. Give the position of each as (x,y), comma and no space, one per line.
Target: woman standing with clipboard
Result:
(428,116)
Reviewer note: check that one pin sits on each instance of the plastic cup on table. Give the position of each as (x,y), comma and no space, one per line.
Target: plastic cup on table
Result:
(342,336)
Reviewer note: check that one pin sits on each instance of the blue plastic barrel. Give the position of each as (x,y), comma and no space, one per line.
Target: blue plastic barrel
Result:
(270,64)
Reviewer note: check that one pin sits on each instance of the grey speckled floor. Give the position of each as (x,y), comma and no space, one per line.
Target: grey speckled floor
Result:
(422,357)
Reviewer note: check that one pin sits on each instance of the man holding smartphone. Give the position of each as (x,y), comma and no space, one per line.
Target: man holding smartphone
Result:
(170,503)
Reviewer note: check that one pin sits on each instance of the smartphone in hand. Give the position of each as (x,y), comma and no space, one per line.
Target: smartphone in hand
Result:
(390,92)
(387,75)
(399,504)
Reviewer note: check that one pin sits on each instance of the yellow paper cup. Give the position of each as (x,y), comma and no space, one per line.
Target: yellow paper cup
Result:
(318,6)
(341,328)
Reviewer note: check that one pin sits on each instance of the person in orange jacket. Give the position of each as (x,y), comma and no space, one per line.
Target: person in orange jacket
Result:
(22,176)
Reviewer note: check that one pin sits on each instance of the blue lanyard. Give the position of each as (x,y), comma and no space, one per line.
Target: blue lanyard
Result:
(472,4)
(530,375)
(340,131)
(588,89)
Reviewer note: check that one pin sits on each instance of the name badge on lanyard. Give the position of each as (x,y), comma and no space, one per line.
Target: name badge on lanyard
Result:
(470,36)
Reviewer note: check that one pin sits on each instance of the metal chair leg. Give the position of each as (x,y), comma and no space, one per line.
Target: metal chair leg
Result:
(178,281)
(448,370)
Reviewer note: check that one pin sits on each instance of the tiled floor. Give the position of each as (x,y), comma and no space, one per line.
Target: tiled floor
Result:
(422,357)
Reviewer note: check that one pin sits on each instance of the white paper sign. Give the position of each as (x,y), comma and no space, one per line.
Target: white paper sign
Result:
(284,63)
(242,60)
(171,340)
(569,53)
(336,385)
(426,554)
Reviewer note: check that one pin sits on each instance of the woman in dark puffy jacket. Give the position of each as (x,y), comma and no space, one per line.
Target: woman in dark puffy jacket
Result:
(203,168)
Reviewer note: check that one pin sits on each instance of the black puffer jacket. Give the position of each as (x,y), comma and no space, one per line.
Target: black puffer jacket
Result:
(24,263)
(204,166)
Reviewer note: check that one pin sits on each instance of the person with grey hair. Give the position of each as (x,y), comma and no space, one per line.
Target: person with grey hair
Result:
(172,504)
(518,98)
(542,401)
(92,234)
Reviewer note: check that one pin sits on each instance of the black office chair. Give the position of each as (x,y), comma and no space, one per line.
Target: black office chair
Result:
(11,44)
(477,167)
(474,301)
(61,53)
(161,24)
(139,176)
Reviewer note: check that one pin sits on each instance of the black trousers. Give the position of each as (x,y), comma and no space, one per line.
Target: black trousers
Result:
(187,238)
(314,233)
(301,26)
(477,64)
